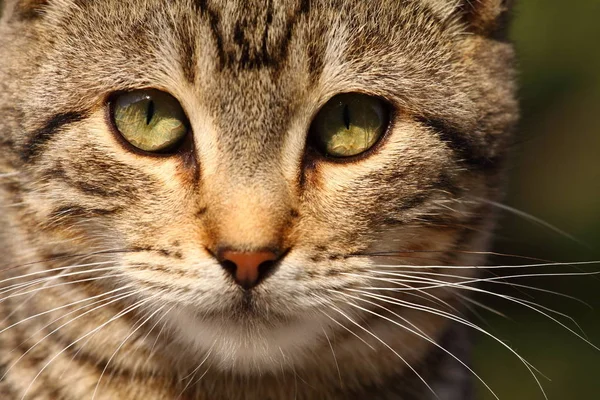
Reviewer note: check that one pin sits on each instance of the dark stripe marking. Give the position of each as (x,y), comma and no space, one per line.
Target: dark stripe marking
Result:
(470,152)
(188,55)
(251,58)
(214,21)
(38,139)
(162,251)
(85,187)
(76,211)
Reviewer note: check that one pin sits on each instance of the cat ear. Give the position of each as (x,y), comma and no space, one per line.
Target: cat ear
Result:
(487,17)
(24,9)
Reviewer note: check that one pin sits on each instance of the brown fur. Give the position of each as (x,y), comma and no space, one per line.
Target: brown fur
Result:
(250,76)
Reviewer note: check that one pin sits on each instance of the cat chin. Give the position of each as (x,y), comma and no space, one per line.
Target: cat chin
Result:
(246,347)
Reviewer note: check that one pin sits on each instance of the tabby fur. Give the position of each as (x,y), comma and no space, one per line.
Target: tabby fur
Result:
(113,249)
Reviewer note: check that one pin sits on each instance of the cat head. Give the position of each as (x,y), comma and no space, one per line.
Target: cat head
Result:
(262,169)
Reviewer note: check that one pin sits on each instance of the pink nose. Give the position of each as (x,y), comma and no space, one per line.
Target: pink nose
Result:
(248,268)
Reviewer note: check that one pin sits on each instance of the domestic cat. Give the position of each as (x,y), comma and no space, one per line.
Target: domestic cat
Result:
(209,199)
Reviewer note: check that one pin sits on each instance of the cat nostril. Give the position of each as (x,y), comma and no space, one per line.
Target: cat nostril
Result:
(248,268)
(229,266)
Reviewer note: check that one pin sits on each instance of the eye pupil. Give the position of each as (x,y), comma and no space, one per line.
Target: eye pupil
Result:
(150,112)
(346,115)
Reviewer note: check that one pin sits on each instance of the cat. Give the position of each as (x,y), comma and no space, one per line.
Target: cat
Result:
(210,199)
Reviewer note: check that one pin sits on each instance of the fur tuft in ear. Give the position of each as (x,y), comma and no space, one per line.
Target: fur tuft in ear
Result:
(488,17)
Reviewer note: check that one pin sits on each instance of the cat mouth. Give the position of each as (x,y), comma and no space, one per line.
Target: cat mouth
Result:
(249,309)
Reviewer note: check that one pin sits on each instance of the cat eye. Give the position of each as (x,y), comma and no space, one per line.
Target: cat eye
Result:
(349,124)
(150,119)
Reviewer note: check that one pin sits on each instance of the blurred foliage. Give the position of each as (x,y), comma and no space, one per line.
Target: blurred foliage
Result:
(556,177)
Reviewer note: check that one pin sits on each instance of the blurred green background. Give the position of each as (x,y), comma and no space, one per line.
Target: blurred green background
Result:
(556,177)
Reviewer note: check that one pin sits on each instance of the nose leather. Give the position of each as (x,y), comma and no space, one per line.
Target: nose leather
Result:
(248,265)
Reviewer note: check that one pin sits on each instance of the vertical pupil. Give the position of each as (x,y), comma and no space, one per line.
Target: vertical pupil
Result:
(150,112)
(346,116)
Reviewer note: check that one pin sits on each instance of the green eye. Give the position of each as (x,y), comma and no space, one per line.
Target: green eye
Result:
(150,120)
(350,124)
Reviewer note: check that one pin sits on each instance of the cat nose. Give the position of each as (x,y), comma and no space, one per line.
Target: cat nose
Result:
(248,269)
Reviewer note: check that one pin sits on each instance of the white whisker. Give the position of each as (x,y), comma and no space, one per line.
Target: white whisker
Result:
(488,267)
(191,375)
(463,321)
(203,374)
(525,303)
(119,315)
(481,305)
(337,366)
(47,271)
(386,345)
(532,218)
(418,333)
(121,297)
(496,280)
(121,346)
(348,330)
(60,284)
(153,348)
(62,307)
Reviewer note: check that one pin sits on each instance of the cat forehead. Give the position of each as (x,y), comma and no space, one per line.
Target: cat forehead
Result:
(242,13)
(247,34)
(249,65)
(277,46)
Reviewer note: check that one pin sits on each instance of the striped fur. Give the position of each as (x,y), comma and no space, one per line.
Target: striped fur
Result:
(135,304)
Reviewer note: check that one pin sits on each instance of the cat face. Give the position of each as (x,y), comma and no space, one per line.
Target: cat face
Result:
(247,176)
